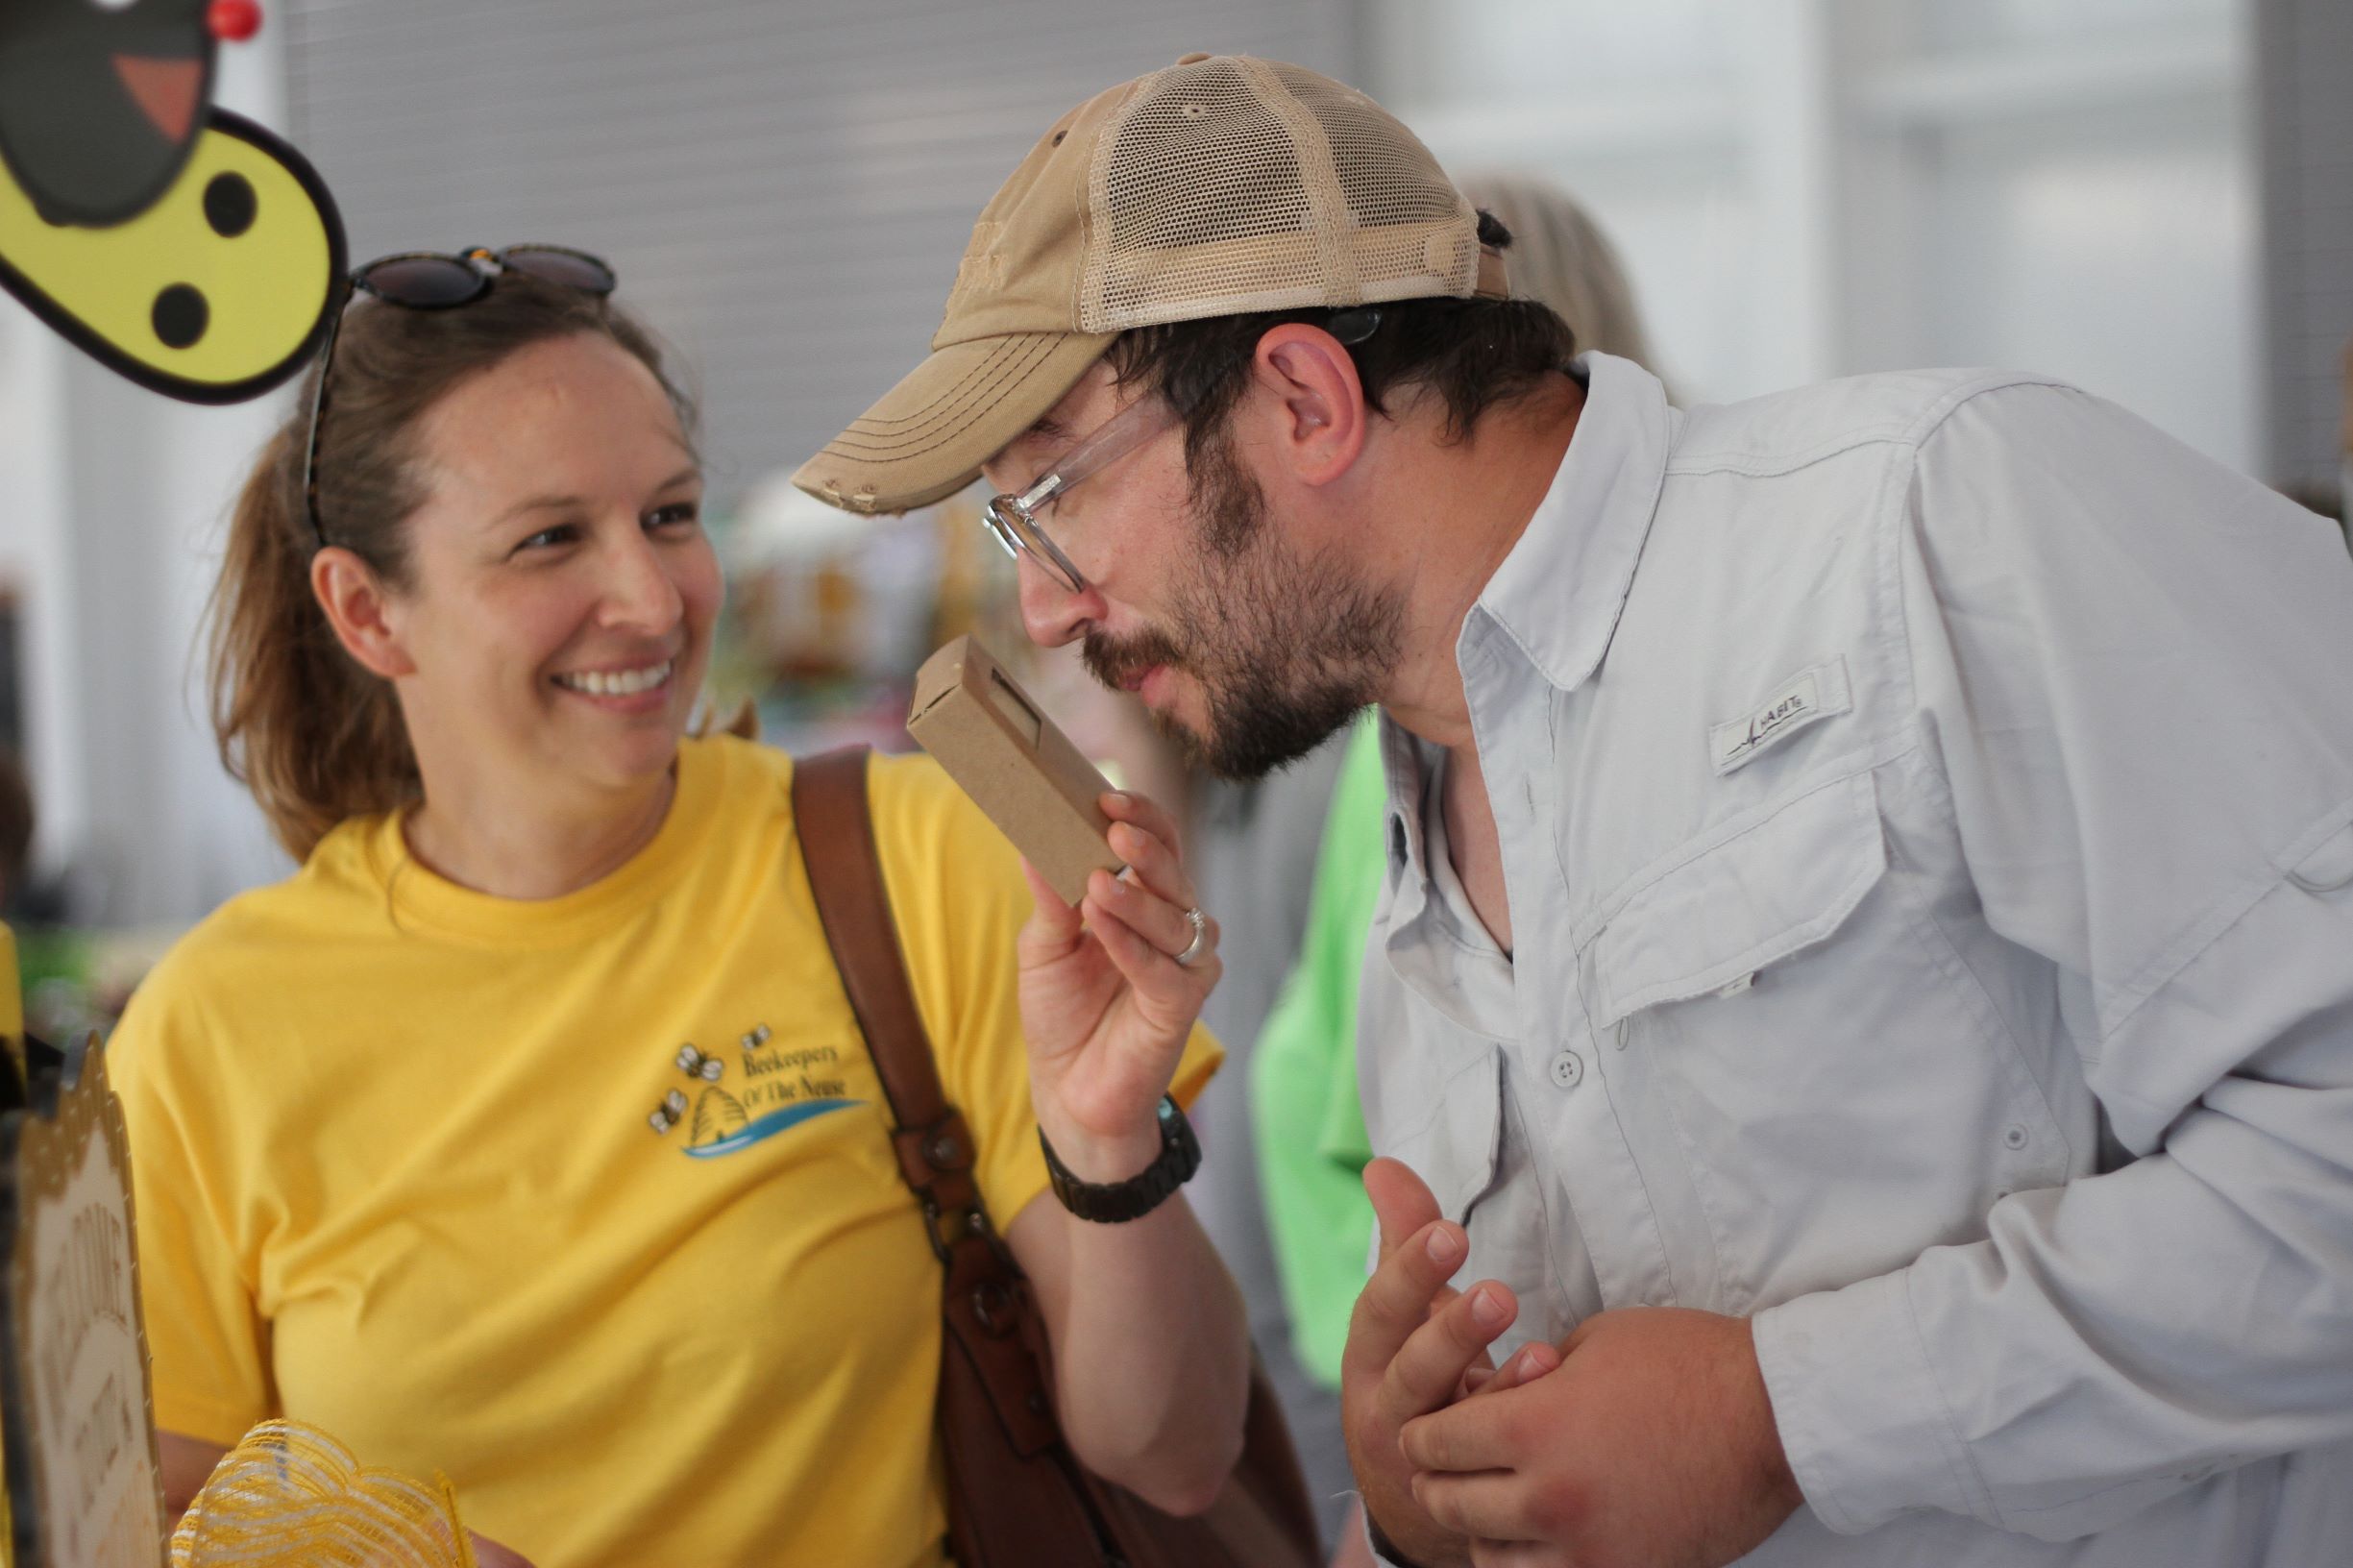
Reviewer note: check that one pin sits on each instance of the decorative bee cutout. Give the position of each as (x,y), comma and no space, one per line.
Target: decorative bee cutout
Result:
(666,1115)
(755,1039)
(695,1065)
(179,245)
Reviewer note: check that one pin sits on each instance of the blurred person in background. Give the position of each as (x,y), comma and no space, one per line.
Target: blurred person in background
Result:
(526,1133)
(1308,1121)
(1868,868)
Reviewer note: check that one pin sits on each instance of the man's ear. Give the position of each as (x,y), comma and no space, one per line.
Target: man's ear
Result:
(358,607)
(1309,376)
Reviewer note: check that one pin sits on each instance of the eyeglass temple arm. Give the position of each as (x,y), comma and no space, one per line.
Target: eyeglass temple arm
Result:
(1129,429)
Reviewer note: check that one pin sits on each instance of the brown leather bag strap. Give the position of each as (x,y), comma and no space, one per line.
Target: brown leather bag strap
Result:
(1017,1497)
(837,842)
(987,1297)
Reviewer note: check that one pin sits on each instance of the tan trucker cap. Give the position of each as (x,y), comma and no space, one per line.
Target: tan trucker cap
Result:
(1220,186)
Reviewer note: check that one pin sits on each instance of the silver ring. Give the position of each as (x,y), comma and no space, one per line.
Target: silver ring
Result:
(1197,948)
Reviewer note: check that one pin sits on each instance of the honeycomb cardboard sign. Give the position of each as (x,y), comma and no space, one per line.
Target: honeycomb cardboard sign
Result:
(83,1485)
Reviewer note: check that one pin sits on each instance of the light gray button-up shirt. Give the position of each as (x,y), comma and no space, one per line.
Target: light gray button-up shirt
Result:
(1927,810)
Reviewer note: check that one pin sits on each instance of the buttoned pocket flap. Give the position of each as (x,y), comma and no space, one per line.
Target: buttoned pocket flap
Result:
(1455,1149)
(1730,907)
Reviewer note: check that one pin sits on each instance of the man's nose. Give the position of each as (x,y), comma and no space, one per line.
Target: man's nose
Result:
(1051,613)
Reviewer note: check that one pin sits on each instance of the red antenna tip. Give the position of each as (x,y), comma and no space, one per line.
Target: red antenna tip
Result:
(233,21)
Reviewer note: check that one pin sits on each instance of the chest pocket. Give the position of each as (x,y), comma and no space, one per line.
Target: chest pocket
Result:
(1734,903)
(1455,1150)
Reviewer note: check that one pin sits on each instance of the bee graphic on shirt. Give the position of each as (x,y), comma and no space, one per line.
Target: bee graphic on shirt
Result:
(666,1115)
(757,1038)
(695,1065)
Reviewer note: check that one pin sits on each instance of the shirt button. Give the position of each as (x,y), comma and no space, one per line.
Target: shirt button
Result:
(2013,1137)
(1568,1068)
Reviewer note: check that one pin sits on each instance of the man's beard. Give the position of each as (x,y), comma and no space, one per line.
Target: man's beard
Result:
(1287,648)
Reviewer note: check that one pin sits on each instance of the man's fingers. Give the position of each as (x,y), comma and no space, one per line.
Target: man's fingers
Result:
(1401,1201)
(1514,1555)
(1490,1505)
(1396,1300)
(1426,1369)
(1480,1434)
(1527,1364)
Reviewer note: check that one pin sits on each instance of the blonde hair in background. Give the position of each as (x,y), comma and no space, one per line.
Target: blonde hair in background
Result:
(1559,256)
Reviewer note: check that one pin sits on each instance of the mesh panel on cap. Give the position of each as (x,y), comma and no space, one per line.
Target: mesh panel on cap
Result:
(1236,184)
(1381,186)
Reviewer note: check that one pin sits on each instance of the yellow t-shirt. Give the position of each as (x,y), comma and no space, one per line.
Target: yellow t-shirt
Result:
(586,1202)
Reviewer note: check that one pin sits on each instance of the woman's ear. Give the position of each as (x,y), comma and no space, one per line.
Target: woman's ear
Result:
(358,609)
(1310,378)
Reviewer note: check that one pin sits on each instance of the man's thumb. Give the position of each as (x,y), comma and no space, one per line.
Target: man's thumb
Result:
(1401,1201)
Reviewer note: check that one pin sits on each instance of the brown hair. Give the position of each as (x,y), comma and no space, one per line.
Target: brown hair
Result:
(1474,354)
(317,738)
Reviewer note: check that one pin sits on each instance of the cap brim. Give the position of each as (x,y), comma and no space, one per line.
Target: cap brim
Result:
(927,437)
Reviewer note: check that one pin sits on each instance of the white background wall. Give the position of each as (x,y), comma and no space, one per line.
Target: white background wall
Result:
(1801,187)
(1806,188)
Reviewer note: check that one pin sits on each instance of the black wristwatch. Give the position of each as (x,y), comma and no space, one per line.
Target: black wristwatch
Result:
(1107,1203)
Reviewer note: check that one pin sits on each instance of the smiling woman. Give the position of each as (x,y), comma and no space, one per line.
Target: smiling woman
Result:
(525,1134)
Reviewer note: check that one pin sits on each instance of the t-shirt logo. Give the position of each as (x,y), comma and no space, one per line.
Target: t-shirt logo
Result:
(779,1089)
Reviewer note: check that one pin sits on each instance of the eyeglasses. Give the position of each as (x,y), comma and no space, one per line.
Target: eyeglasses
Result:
(430,281)
(1013,518)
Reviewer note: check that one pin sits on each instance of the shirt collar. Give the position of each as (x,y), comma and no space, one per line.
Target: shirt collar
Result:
(1559,594)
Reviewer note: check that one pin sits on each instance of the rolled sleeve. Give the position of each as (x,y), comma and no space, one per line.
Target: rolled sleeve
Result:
(1861,1418)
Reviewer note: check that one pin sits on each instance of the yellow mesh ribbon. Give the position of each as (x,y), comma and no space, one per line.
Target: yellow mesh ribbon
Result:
(289,1496)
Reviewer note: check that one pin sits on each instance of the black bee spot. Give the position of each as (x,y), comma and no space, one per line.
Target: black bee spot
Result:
(180,316)
(229,205)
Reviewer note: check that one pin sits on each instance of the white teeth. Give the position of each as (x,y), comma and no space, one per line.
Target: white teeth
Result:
(618,682)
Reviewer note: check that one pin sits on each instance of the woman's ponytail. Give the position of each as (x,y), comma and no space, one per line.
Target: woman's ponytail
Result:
(315,736)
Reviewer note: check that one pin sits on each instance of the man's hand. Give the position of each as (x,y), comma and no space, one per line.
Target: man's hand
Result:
(1413,1346)
(1652,1443)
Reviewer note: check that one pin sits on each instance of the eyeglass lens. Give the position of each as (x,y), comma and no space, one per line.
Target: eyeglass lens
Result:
(1020,536)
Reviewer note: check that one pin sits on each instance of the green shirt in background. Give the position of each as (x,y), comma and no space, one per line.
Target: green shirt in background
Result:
(1312,1143)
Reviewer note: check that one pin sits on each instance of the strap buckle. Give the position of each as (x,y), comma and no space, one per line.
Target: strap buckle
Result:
(947,1226)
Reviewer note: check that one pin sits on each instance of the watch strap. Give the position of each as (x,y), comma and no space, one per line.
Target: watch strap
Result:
(1112,1203)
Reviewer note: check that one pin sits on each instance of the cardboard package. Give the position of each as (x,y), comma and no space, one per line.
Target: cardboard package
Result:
(1003,751)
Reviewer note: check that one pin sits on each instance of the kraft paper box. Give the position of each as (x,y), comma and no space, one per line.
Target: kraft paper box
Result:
(1003,751)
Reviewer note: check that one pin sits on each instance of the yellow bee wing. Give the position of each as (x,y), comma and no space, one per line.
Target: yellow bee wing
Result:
(217,293)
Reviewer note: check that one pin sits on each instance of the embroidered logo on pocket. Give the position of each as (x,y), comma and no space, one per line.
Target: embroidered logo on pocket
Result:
(1804,700)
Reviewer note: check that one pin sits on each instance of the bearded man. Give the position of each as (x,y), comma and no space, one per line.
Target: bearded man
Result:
(1861,994)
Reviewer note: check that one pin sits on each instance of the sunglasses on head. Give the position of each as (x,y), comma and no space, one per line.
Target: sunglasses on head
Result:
(432,281)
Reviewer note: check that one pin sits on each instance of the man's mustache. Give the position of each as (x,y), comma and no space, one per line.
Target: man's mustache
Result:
(1119,662)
